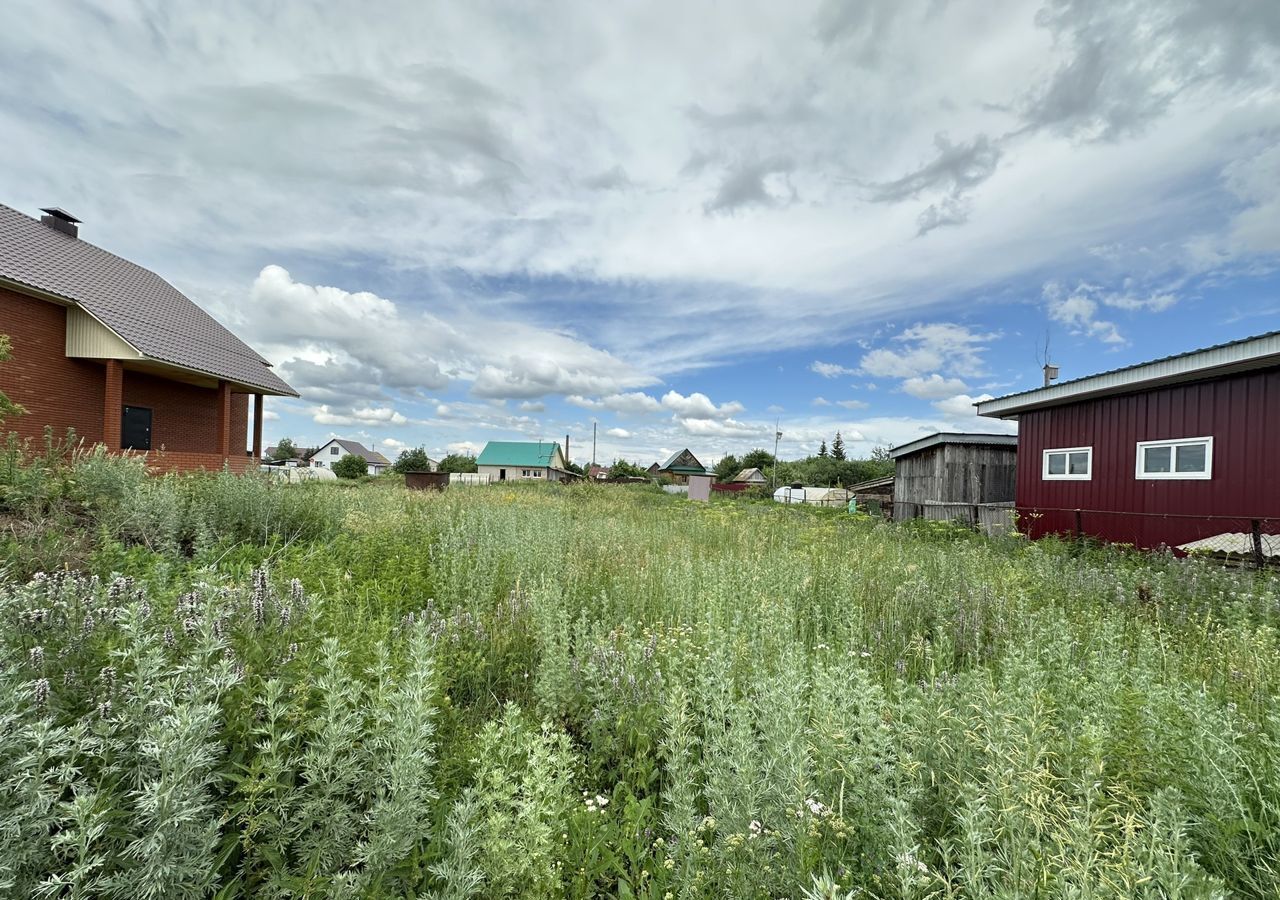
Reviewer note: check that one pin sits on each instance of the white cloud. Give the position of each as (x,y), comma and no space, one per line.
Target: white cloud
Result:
(384,415)
(340,347)
(533,406)
(618,432)
(395,446)
(467,448)
(1078,311)
(830,370)
(699,406)
(546,233)
(961,407)
(852,404)
(270,415)
(931,347)
(934,387)
(821,401)
(632,403)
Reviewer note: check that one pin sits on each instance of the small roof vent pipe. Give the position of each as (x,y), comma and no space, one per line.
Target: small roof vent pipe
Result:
(1050,374)
(60,220)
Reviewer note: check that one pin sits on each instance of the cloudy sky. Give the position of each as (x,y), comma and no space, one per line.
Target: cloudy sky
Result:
(449,223)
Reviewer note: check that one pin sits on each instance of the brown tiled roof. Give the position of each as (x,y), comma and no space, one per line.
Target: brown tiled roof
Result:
(153,316)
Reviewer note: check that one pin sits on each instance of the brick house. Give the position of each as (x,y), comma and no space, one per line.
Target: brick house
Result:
(112,350)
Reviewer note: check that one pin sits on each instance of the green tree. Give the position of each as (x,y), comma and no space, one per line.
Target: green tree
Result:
(351,466)
(285,449)
(837,447)
(758,459)
(457,462)
(7,406)
(822,450)
(413,459)
(728,466)
(621,468)
(571,466)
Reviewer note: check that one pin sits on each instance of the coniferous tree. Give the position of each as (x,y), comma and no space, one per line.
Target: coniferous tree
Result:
(822,450)
(837,447)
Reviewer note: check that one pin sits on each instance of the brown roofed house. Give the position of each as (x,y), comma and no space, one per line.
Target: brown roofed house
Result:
(114,351)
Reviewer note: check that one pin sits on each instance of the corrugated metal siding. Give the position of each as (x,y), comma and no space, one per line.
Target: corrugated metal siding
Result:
(89,339)
(1241,413)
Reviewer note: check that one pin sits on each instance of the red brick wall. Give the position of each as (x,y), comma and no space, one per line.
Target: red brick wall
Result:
(184,417)
(55,390)
(66,393)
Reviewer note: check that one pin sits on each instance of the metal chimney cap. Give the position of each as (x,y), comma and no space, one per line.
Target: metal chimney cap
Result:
(59,213)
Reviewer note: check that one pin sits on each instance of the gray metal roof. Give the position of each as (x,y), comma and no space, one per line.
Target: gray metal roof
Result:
(355,448)
(150,314)
(1257,352)
(952,437)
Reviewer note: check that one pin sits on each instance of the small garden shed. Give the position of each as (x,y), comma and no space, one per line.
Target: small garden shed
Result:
(953,476)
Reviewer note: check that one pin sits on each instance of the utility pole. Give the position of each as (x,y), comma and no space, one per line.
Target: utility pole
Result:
(593,442)
(777,436)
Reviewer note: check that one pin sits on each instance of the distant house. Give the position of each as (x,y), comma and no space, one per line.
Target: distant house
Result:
(597,473)
(750,476)
(954,476)
(1178,452)
(680,466)
(652,471)
(299,458)
(112,350)
(330,453)
(523,460)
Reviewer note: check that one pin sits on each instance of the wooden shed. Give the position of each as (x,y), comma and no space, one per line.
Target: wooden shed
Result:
(971,477)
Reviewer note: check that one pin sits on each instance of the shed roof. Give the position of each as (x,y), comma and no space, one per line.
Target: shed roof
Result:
(1258,352)
(953,437)
(534,454)
(147,312)
(752,474)
(872,484)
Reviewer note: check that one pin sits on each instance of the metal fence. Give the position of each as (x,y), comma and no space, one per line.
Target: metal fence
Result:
(1248,540)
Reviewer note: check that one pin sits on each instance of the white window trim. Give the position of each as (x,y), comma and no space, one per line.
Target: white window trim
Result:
(1066,476)
(1206,475)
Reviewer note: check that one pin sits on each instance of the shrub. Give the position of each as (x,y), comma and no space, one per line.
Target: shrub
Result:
(351,466)
(413,460)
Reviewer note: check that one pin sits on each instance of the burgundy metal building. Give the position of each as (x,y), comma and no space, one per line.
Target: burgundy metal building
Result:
(1163,453)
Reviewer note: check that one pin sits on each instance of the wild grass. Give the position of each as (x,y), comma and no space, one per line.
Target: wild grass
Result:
(605,691)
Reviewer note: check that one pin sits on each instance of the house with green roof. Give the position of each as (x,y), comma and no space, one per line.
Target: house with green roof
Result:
(523,460)
(681,465)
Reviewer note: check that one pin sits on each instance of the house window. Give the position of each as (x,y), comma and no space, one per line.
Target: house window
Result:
(1068,464)
(1185,458)
(333,451)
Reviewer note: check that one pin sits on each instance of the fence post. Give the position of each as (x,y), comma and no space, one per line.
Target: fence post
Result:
(977,520)
(1079,529)
(1258,559)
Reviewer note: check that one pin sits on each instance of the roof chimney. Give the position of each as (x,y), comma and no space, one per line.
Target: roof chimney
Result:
(60,220)
(1050,374)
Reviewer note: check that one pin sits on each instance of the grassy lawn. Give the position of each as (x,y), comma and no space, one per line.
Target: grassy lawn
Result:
(248,690)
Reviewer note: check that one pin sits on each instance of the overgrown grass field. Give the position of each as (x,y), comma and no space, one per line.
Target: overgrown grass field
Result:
(243,689)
